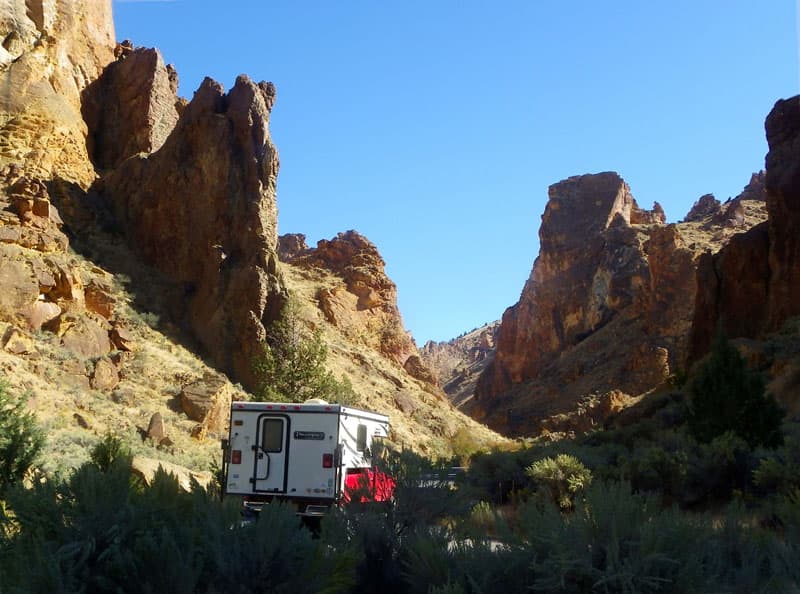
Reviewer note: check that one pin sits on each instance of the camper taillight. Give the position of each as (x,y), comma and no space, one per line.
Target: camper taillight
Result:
(236,457)
(327,460)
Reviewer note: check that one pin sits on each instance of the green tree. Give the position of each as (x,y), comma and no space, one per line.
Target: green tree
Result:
(724,395)
(21,440)
(291,366)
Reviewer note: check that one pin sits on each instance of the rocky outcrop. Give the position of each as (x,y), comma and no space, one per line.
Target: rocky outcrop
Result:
(783,204)
(202,209)
(131,108)
(609,304)
(706,206)
(364,306)
(579,282)
(50,52)
(458,363)
(752,286)
(291,245)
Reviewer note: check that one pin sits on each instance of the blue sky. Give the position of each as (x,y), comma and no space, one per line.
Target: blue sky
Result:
(434,127)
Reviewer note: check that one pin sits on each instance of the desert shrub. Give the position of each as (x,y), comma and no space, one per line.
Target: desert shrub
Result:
(493,476)
(109,451)
(778,471)
(21,440)
(378,535)
(482,517)
(470,566)
(463,445)
(717,469)
(291,365)
(101,531)
(620,541)
(726,396)
(563,477)
(656,469)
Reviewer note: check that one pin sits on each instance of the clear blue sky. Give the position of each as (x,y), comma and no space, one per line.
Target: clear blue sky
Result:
(434,127)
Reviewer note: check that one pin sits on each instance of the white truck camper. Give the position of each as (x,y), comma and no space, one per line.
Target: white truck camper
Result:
(306,454)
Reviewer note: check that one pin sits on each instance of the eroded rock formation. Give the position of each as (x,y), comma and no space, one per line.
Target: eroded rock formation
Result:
(752,286)
(131,108)
(364,306)
(458,363)
(203,210)
(610,300)
(50,52)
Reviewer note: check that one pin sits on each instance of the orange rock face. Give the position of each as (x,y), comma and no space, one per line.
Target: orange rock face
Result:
(589,263)
(51,52)
(202,209)
(609,304)
(365,305)
(131,108)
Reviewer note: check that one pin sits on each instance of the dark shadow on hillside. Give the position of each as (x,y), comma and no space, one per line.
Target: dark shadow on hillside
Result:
(94,234)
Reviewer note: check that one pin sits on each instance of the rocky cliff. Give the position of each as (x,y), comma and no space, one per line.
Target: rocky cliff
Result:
(202,209)
(609,304)
(363,304)
(458,363)
(752,286)
(138,252)
(51,51)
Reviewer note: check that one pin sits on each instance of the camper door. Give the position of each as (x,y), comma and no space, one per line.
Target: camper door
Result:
(271,453)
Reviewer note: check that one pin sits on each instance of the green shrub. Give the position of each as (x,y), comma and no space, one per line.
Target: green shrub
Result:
(108,452)
(21,440)
(291,365)
(726,396)
(563,477)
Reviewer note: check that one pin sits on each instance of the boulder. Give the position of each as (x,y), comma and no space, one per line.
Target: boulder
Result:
(82,335)
(122,338)
(105,376)
(42,312)
(20,289)
(146,469)
(17,342)
(156,429)
(99,298)
(208,401)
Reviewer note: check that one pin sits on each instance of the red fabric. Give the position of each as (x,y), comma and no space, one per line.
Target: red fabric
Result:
(371,485)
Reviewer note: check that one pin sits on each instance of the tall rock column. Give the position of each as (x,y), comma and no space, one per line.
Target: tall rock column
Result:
(572,289)
(203,210)
(752,285)
(783,204)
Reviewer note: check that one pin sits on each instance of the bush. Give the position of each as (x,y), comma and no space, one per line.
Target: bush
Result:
(726,396)
(21,440)
(563,477)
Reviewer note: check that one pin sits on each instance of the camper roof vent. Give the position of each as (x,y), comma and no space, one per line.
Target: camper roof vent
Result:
(316,401)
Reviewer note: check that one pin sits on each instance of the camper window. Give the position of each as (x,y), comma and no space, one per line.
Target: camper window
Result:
(361,438)
(272,440)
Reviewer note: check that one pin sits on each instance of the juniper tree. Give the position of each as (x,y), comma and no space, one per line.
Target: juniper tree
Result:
(291,366)
(21,440)
(724,395)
